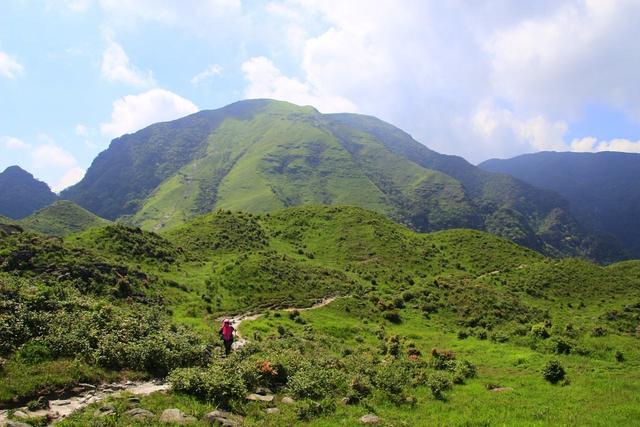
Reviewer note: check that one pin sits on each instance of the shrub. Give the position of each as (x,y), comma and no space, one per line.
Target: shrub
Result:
(392,378)
(463,369)
(562,346)
(438,383)
(220,384)
(539,330)
(314,382)
(392,316)
(598,331)
(553,371)
(33,352)
(619,356)
(308,409)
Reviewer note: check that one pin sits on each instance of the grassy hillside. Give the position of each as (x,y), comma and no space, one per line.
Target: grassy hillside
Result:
(261,155)
(62,218)
(602,188)
(118,301)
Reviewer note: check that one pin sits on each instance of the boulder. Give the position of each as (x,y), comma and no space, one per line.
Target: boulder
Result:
(21,415)
(175,416)
(369,419)
(272,411)
(501,389)
(104,411)
(139,413)
(287,400)
(222,418)
(12,423)
(260,398)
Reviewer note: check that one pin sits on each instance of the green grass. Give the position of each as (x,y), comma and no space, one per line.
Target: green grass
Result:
(62,218)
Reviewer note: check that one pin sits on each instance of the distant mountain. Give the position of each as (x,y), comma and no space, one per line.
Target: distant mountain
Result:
(603,189)
(21,194)
(62,218)
(264,155)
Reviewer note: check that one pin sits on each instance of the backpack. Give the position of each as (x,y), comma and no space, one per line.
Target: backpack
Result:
(227,332)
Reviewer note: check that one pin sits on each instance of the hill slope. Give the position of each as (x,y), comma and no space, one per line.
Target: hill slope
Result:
(263,155)
(62,218)
(603,189)
(21,194)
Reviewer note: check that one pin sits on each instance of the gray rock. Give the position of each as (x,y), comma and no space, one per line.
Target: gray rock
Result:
(287,400)
(139,413)
(62,402)
(104,411)
(12,423)
(223,418)
(272,411)
(20,414)
(369,419)
(260,398)
(174,415)
(263,390)
(501,389)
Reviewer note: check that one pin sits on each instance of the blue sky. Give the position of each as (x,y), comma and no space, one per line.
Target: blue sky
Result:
(479,79)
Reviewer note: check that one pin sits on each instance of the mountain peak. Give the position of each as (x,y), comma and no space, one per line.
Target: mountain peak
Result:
(21,194)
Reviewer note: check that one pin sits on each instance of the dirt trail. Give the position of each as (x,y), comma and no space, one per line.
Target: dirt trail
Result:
(62,408)
(240,341)
(88,394)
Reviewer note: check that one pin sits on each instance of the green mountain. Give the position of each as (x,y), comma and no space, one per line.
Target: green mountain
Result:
(264,155)
(450,327)
(21,194)
(603,189)
(61,218)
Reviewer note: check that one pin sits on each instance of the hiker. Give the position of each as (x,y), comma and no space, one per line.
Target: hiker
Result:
(226,333)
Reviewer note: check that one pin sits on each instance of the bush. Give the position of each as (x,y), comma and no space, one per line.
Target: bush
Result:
(220,384)
(392,316)
(438,383)
(539,330)
(308,409)
(561,346)
(315,382)
(619,356)
(553,371)
(33,352)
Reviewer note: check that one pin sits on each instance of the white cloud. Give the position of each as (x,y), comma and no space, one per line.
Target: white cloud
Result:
(591,144)
(210,72)
(116,68)
(9,67)
(134,112)
(13,143)
(51,155)
(585,52)
(70,177)
(81,130)
(267,81)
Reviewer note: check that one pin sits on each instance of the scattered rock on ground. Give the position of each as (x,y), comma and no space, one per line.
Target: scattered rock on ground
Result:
(259,397)
(272,411)
(104,411)
(369,419)
(345,400)
(263,390)
(139,413)
(222,418)
(20,414)
(12,423)
(134,400)
(501,389)
(174,415)
(287,400)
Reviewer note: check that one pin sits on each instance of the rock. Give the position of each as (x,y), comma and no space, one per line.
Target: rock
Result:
(174,415)
(87,386)
(222,418)
(139,413)
(263,390)
(345,400)
(61,402)
(21,415)
(104,411)
(260,398)
(134,400)
(369,419)
(501,389)
(12,423)
(287,400)
(272,411)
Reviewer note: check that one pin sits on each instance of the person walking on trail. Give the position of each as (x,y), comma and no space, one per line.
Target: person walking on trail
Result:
(226,333)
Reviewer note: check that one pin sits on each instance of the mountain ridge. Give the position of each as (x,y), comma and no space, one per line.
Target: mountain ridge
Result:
(21,194)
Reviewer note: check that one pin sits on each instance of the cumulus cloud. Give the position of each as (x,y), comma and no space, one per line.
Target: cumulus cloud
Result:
(51,155)
(591,144)
(81,130)
(134,112)
(208,73)
(583,53)
(70,177)
(13,143)
(117,68)
(265,80)
(9,66)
